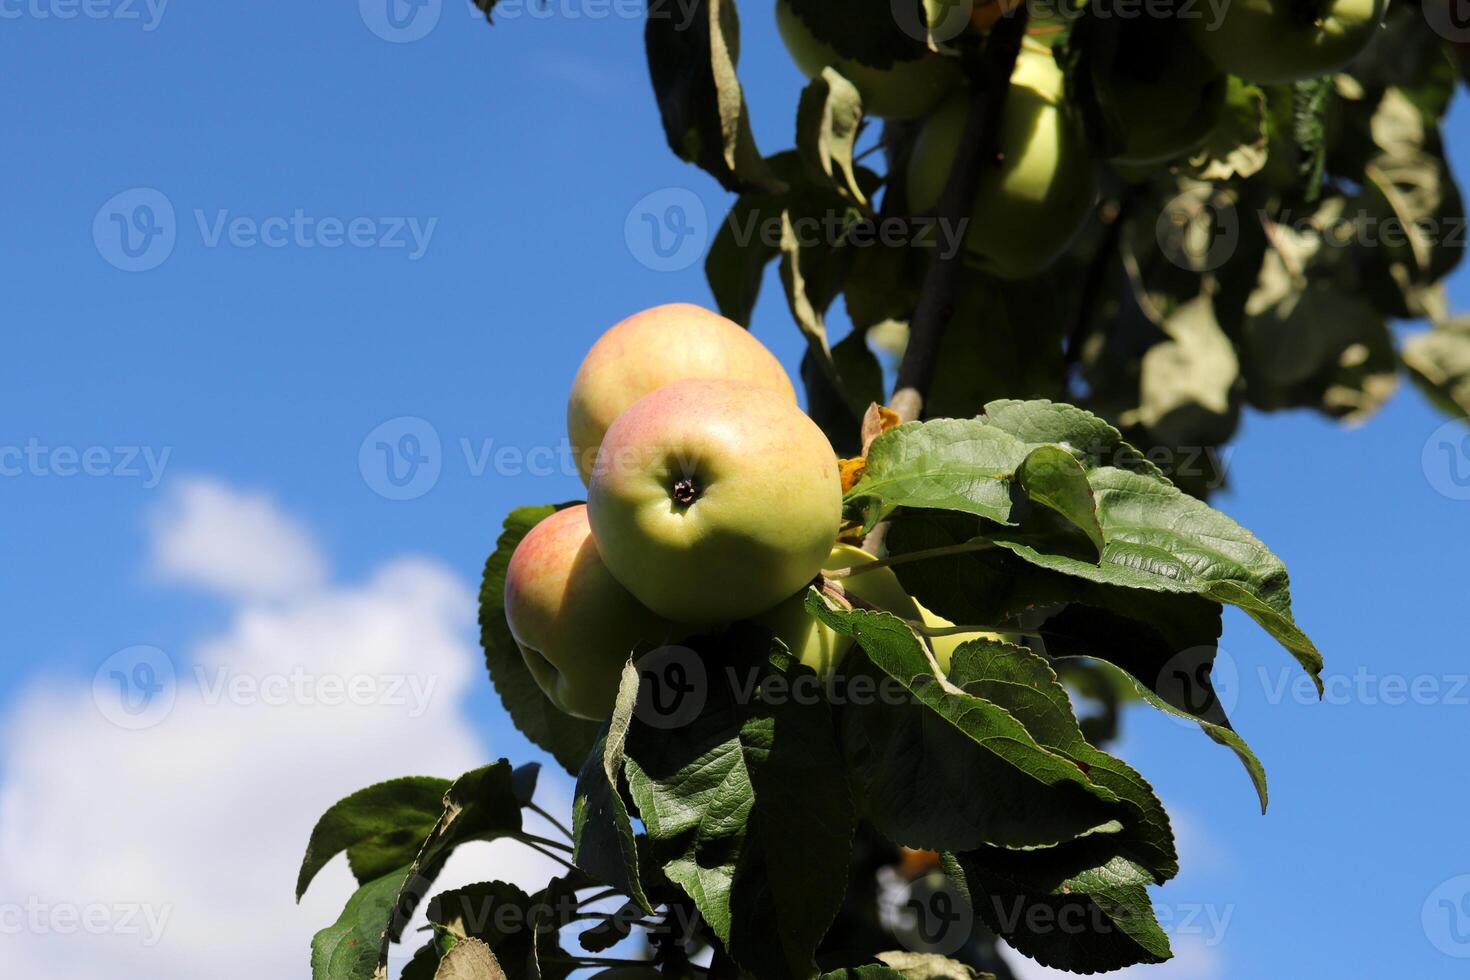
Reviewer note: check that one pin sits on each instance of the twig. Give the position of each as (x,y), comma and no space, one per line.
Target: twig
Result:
(550,819)
(963,548)
(979,147)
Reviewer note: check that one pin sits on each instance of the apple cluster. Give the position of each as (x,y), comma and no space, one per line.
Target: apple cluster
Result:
(1158,87)
(712,498)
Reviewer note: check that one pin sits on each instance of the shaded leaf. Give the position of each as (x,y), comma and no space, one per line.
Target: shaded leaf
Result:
(381,828)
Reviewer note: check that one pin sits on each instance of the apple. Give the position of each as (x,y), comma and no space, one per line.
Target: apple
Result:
(904,90)
(712,501)
(814,643)
(647,351)
(574,623)
(1030,204)
(1160,94)
(1274,41)
(945,646)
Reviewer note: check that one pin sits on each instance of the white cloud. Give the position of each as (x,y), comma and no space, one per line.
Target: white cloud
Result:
(179,842)
(237,544)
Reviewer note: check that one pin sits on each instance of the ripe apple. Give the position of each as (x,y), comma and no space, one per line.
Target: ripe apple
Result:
(1030,204)
(647,351)
(574,623)
(1273,41)
(814,643)
(904,90)
(714,500)
(1160,94)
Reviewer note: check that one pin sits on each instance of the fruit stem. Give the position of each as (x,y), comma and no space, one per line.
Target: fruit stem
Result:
(979,146)
(964,548)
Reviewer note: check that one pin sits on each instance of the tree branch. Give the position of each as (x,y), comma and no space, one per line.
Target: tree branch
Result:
(979,147)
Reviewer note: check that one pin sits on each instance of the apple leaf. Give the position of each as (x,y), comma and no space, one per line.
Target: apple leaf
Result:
(483,804)
(828,120)
(470,960)
(381,828)
(1079,907)
(1025,685)
(865,30)
(721,798)
(1164,642)
(1439,362)
(566,738)
(692,51)
(1052,477)
(1236,147)
(917,753)
(929,966)
(606,847)
(348,949)
(1156,537)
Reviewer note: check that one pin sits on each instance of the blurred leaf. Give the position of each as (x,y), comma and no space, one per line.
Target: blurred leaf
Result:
(691,60)
(1439,362)
(1237,146)
(828,120)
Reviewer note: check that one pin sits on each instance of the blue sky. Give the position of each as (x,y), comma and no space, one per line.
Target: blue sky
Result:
(481,182)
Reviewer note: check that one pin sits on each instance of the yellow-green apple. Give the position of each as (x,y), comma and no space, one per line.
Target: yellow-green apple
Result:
(714,500)
(573,621)
(652,348)
(945,646)
(1160,95)
(1274,41)
(814,643)
(1033,200)
(904,90)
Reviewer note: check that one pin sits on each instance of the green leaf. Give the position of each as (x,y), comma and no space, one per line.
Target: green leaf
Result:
(917,758)
(1157,538)
(1439,362)
(828,120)
(381,828)
(691,61)
(348,949)
(837,410)
(1164,642)
(721,796)
(1026,686)
(601,826)
(1078,907)
(481,805)
(1052,477)
(566,738)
